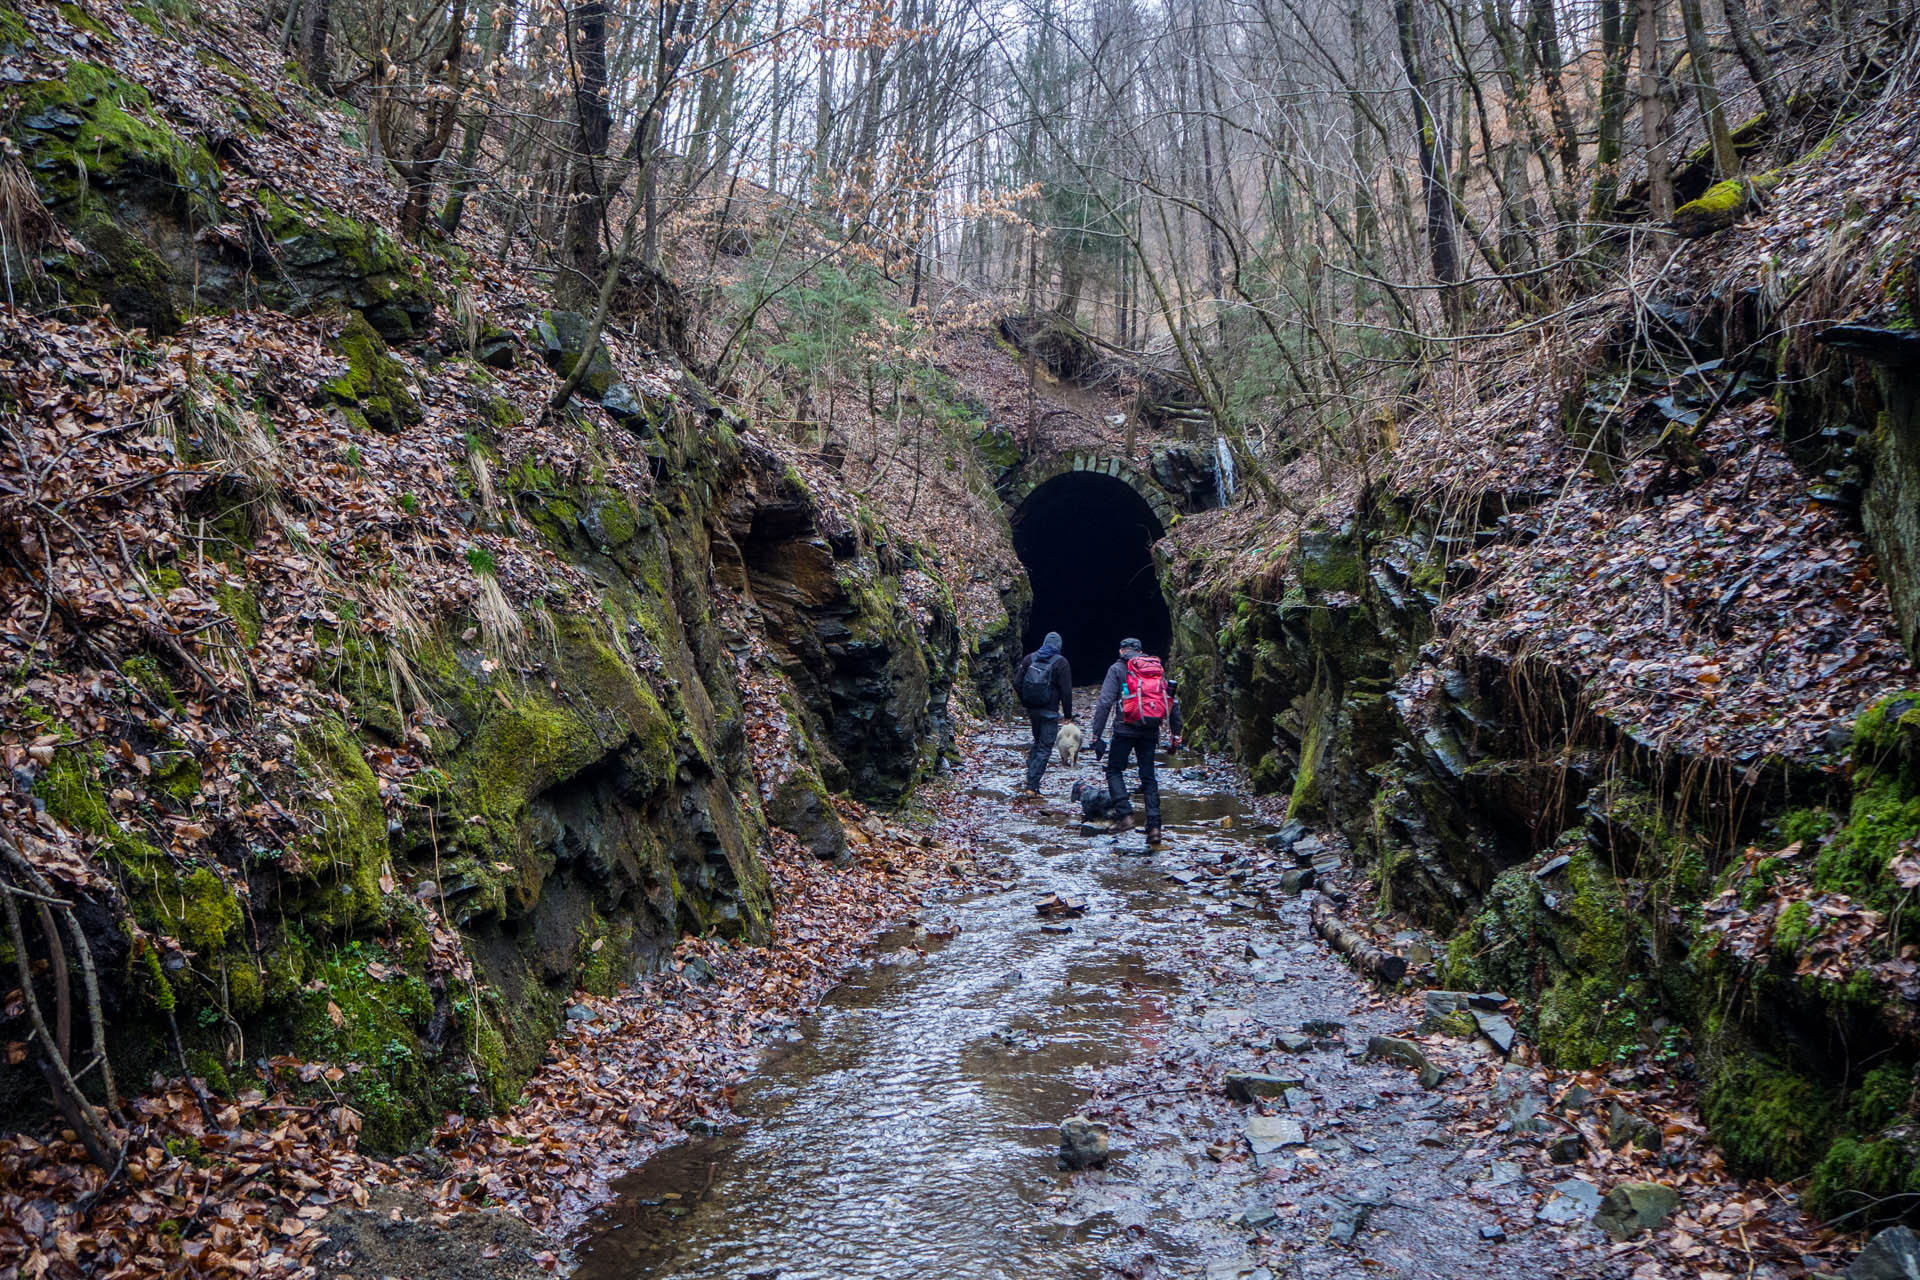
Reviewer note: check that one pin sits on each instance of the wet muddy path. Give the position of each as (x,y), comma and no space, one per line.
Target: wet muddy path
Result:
(911,1128)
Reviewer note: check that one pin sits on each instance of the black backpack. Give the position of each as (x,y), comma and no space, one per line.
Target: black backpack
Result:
(1094,799)
(1036,690)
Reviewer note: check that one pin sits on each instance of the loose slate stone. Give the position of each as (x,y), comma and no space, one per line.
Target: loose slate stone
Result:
(1348,1221)
(1894,1254)
(1083,1143)
(1564,1149)
(1271,1133)
(1245,1086)
(1574,1200)
(1406,1051)
(1552,865)
(1257,1216)
(1495,1028)
(1634,1208)
(1493,1235)
(1293,1042)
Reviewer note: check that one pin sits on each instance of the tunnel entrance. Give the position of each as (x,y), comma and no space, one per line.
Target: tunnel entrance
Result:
(1086,540)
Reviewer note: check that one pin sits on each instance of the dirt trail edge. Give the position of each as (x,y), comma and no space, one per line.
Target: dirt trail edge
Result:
(1180,999)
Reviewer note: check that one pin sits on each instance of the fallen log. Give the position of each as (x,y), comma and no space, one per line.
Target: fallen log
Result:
(1366,957)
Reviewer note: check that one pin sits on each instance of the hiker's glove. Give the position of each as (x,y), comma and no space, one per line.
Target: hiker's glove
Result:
(1176,742)
(1099,749)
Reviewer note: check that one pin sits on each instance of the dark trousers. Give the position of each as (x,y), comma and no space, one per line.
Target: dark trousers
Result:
(1046,731)
(1142,749)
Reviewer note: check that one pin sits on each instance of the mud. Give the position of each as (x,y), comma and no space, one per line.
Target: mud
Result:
(911,1129)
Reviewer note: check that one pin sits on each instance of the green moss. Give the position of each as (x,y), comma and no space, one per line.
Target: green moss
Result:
(1805,827)
(91,128)
(340,864)
(1330,568)
(14,34)
(1721,199)
(1857,1177)
(208,913)
(326,256)
(1884,1095)
(374,384)
(146,673)
(1795,928)
(1722,203)
(1767,1119)
(1882,818)
(85,21)
(239,605)
(371,1026)
(73,794)
(1304,801)
(212,1072)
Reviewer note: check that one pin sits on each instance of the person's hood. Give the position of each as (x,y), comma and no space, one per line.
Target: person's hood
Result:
(1046,651)
(1052,641)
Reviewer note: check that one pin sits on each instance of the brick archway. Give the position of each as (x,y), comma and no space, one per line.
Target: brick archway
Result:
(1041,470)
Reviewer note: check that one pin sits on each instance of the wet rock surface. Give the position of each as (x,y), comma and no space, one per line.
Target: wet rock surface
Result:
(916,1128)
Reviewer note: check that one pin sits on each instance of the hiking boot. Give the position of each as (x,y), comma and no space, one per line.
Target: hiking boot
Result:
(1122,823)
(1153,834)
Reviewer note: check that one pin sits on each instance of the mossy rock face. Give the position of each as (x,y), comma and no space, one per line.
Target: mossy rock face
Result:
(562,336)
(375,384)
(318,256)
(128,188)
(1766,1117)
(1723,204)
(1884,814)
(996,448)
(137,191)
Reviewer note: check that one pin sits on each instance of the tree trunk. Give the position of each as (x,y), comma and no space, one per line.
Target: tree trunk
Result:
(418,170)
(1616,53)
(1442,241)
(1367,958)
(1754,58)
(1726,161)
(315,59)
(579,279)
(1653,113)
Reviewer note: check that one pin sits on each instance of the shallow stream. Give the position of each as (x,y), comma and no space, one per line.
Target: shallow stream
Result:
(911,1128)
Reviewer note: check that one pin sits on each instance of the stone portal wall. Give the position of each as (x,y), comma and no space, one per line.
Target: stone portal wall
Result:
(1045,469)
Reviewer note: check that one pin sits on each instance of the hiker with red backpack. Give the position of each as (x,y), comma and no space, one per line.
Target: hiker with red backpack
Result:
(1137,688)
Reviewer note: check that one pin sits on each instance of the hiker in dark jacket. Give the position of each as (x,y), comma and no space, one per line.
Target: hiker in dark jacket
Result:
(1045,685)
(1139,741)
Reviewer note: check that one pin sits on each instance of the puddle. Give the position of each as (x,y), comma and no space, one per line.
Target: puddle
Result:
(913,1130)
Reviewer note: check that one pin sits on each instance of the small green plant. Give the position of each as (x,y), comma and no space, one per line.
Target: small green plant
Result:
(482,560)
(410,504)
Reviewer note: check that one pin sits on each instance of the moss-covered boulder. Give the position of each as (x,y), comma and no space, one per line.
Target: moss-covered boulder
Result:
(1723,204)
(562,337)
(374,388)
(128,187)
(312,255)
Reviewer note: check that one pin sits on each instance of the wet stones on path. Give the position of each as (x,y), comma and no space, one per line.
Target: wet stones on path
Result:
(1177,1078)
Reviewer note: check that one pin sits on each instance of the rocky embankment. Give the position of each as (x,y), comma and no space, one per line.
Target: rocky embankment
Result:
(359,706)
(1625,721)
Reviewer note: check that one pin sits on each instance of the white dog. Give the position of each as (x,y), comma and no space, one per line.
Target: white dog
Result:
(1068,743)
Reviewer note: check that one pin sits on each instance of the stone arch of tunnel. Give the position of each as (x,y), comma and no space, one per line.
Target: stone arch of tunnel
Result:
(1086,537)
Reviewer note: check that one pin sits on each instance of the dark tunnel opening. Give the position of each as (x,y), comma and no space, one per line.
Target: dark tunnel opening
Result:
(1086,540)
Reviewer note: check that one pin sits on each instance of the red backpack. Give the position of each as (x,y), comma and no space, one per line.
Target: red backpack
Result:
(1143,700)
